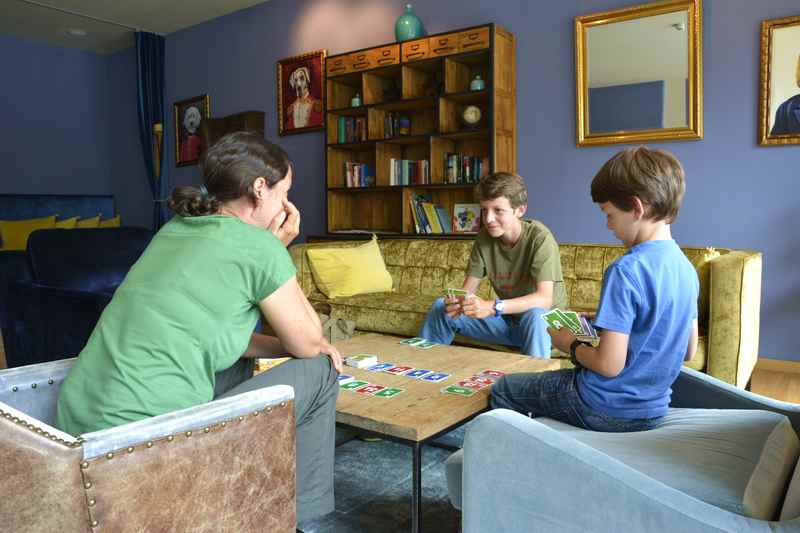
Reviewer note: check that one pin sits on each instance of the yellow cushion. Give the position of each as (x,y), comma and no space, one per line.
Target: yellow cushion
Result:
(110,223)
(350,271)
(67,223)
(91,222)
(703,266)
(15,233)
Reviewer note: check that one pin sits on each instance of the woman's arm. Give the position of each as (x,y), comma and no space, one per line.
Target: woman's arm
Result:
(293,320)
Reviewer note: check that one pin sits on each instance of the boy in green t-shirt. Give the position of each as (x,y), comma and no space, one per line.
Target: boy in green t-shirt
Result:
(521,259)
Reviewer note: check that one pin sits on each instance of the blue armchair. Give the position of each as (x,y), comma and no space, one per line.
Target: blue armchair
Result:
(723,460)
(73,275)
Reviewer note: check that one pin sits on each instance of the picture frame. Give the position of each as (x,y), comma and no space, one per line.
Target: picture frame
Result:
(301,93)
(466,218)
(188,115)
(779,98)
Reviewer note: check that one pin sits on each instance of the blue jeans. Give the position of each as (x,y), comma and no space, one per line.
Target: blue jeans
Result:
(528,331)
(555,395)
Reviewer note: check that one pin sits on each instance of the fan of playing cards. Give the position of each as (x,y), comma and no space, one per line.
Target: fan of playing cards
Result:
(576,323)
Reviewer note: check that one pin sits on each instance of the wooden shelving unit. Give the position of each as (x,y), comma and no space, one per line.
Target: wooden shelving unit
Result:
(427,81)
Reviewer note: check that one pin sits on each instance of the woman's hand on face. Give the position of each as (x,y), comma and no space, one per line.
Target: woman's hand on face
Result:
(286,224)
(331,351)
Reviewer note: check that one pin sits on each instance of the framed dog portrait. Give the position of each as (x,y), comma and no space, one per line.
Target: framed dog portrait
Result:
(780,82)
(301,93)
(188,115)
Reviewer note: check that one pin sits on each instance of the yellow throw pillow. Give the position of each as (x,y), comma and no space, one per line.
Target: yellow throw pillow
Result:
(110,223)
(703,266)
(91,222)
(14,233)
(67,223)
(350,271)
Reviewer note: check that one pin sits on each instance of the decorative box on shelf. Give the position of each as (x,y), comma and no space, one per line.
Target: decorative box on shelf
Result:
(422,128)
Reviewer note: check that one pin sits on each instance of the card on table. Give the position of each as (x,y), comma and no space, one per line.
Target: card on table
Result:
(470,384)
(435,377)
(417,373)
(370,389)
(361,360)
(388,393)
(413,341)
(426,345)
(491,374)
(458,391)
(398,369)
(483,380)
(380,366)
(351,385)
(345,378)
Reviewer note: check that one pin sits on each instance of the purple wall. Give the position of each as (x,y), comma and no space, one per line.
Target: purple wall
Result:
(69,125)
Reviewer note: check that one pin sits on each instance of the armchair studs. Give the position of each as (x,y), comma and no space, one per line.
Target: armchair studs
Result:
(188,434)
(149,444)
(206,430)
(110,455)
(87,485)
(130,449)
(85,465)
(14,388)
(50,381)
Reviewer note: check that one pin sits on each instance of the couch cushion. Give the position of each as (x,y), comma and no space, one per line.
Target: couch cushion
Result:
(387,312)
(738,460)
(791,504)
(14,233)
(350,271)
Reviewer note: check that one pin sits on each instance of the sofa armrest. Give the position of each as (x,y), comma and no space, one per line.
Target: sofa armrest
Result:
(735,302)
(521,475)
(225,465)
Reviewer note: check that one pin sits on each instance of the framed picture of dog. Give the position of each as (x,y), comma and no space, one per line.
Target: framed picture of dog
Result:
(301,93)
(188,115)
(779,100)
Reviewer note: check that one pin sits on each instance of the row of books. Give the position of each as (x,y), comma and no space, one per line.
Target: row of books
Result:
(461,168)
(351,129)
(359,174)
(395,124)
(429,217)
(409,172)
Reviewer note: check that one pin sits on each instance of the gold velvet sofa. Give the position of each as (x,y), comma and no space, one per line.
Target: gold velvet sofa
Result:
(728,308)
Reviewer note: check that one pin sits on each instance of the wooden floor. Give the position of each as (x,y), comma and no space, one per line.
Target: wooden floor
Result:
(777,379)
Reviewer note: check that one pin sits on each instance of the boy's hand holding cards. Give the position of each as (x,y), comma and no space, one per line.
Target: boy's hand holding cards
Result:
(577,324)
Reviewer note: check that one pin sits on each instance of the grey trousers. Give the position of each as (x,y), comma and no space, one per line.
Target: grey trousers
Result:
(315,393)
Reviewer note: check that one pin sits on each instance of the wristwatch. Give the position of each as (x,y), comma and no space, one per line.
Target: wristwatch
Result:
(499,307)
(572,348)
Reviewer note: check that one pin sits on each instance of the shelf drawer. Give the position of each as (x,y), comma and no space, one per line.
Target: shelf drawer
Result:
(442,45)
(415,50)
(361,60)
(474,39)
(385,56)
(338,65)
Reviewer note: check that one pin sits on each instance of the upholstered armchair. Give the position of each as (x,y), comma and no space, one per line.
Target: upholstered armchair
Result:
(723,460)
(228,465)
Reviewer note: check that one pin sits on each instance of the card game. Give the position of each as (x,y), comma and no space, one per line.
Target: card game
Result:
(458,391)
(417,373)
(389,393)
(370,389)
(579,325)
(413,341)
(398,369)
(436,377)
(362,360)
(380,366)
(351,385)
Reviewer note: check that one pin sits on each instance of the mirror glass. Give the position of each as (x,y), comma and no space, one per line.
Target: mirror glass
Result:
(637,75)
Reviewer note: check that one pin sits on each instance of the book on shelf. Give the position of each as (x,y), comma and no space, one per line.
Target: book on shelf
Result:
(359,174)
(396,124)
(409,172)
(433,218)
(429,217)
(444,219)
(462,168)
(421,223)
(351,129)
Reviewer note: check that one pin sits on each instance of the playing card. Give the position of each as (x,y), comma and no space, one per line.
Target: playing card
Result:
(436,377)
(380,366)
(456,293)
(370,389)
(350,385)
(573,320)
(554,320)
(398,369)
(588,329)
(458,391)
(485,381)
(496,374)
(413,341)
(362,360)
(345,378)
(388,393)
(417,373)
(426,345)
(469,384)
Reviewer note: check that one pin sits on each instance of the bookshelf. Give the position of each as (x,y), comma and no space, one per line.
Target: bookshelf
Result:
(408,138)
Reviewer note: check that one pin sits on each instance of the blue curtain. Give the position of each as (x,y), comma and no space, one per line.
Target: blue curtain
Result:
(150,105)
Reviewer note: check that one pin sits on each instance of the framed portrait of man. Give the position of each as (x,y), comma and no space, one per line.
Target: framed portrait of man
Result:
(301,93)
(188,115)
(780,82)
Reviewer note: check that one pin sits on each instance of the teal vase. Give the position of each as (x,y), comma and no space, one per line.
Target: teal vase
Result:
(408,26)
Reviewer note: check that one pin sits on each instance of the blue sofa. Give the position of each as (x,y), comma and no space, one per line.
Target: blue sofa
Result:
(73,275)
(723,460)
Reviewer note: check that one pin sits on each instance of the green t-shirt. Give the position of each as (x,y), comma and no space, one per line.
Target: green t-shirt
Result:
(185,311)
(515,271)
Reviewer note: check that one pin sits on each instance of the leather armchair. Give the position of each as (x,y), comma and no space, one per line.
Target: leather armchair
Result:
(73,275)
(228,465)
(724,460)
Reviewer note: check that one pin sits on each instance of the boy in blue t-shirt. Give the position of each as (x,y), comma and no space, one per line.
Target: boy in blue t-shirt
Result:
(647,316)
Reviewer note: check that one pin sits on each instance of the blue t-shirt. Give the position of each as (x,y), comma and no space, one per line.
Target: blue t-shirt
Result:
(649,294)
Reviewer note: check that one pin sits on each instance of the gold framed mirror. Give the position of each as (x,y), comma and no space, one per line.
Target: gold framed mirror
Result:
(639,74)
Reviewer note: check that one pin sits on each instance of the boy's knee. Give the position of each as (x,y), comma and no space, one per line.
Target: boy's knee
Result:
(533,316)
(438,306)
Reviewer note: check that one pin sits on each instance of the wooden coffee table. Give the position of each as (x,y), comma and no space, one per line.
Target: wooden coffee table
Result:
(422,412)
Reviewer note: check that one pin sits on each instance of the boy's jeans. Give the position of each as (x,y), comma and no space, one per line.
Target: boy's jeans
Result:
(554,395)
(528,331)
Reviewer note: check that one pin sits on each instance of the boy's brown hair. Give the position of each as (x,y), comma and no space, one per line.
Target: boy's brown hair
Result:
(654,176)
(506,184)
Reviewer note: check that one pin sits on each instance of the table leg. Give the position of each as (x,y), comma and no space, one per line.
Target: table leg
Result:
(416,486)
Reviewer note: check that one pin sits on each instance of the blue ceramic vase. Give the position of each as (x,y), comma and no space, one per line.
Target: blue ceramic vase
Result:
(408,25)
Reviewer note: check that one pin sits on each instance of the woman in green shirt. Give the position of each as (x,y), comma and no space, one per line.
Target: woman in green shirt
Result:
(179,330)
